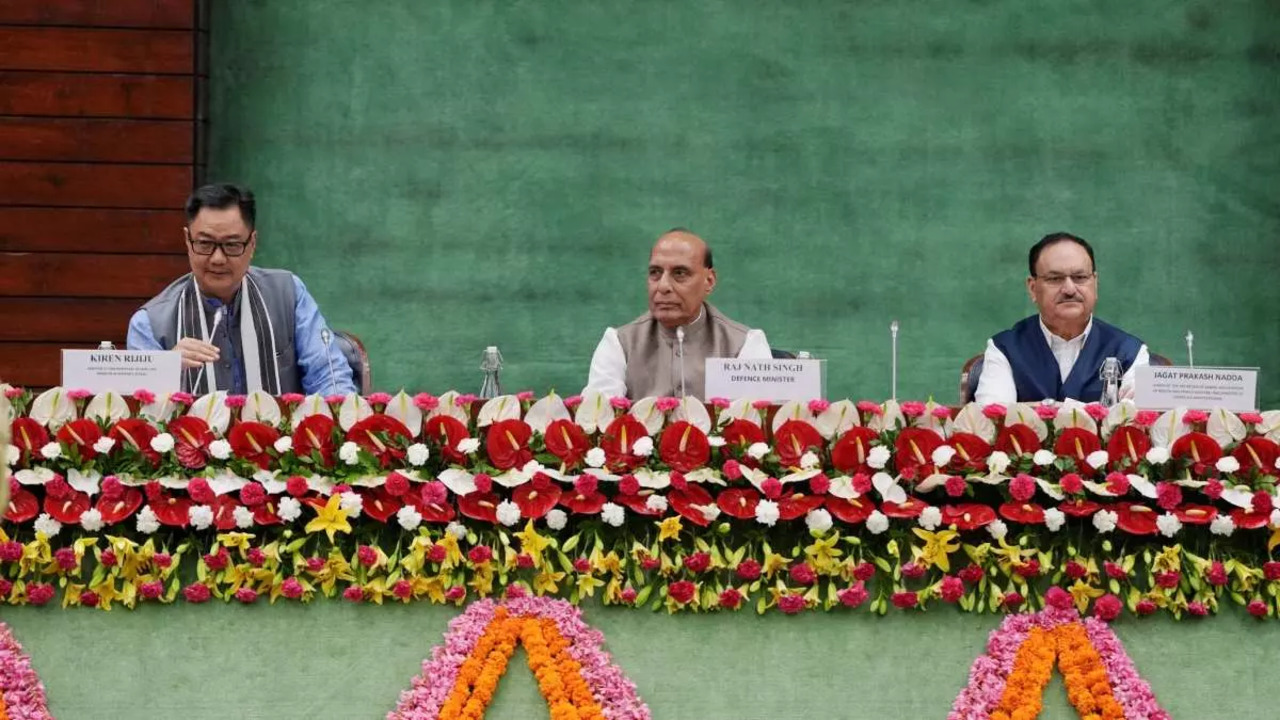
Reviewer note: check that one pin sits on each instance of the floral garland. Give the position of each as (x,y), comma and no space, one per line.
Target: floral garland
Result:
(575,675)
(666,503)
(1008,681)
(21,692)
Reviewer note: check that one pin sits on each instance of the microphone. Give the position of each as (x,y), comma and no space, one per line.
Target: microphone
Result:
(326,337)
(213,329)
(893,338)
(1191,359)
(1110,376)
(680,344)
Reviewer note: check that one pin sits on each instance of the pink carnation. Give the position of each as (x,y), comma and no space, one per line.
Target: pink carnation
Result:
(1114,571)
(465,400)
(732,469)
(1168,580)
(483,482)
(112,489)
(791,603)
(913,408)
(1271,570)
(1056,597)
(292,399)
(256,557)
(13,392)
(253,494)
(861,483)
(905,600)
(89,598)
(761,404)
(1217,574)
(629,595)
(955,486)
(666,404)
(995,411)
(366,556)
(516,591)
(143,396)
(403,589)
(379,398)
(628,484)
(1117,483)
(1046,412)
(1145,607)
(771,488)
(162,560)
(573,401)
(235,402)
(291,588)
(864,571)
(620,403)
(426,402)
(730,599)
(151,590)
(525,396)
(588,484)
(819,484)
(481,554)
(941,412)
(182,398)
(869,408)
(1193,417)
(1096,411)
(748,569)
(434,492)
(803,574)
(335,399)
(817,407)
(1257,608)
(199,490)
(913,571)
(952,589)
(1072,483)
(247,595)
(1213,489)
(678,481)
(78,394)
(1022,487)
(196,593)
(853,596)
(296,486)
(1146,418)
(1262,503)
(1012,600)
(1168,496)
(353,593)
(1197,609)
(11,551)
(66,558)
(720,403)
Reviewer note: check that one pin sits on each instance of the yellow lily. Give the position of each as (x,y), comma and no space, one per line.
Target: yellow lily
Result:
(481,581)
(609,563)
(1168,559)
(235,540)
(937,547)
(1083,593)
(453,554)
(587,585)
(547,583)
(823,554)
(773,563)
(107,592)
(669,529)
(532,544)
(331,518)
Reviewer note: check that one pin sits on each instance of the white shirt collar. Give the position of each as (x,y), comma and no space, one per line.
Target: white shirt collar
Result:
(1056,342)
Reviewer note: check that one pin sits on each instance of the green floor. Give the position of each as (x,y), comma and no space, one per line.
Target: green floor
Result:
(331,660)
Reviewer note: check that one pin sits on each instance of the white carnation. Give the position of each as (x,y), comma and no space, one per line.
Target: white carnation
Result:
(201,516)
(458,530)
(1168,524)
(12,455)
(104,445)
(1227,464)
(818,520)
(289,509)
(409,518)
(612,514)
(1104,521)
(1097,458)
(878,457)
(656,503)
(466,446)
(877,522)
(1054,519)
(998,529)
(930,518)
(942,455)
(162,443)
(808,460)
(351,503)
(147,522)
(556,519)
(714,441)
(417,454)
(508,513)
(283,444)
(91,520)
(51,451)
(1222,525)
(1158,455)
(243,517)
(220,449)
(47,525)
(998,461)
(767,512)
(640,448)
(1275,518)
(595,457)
(1043,457)
(349,453)
(758,450)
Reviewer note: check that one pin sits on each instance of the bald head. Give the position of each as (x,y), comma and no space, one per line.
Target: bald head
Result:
(680,277)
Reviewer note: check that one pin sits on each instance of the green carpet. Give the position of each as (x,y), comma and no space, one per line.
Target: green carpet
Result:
(331,660)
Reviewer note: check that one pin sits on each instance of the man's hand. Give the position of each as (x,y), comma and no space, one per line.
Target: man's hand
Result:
(196,352)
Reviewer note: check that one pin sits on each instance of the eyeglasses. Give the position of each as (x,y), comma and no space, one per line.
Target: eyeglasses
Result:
(230,248)
(1056,280)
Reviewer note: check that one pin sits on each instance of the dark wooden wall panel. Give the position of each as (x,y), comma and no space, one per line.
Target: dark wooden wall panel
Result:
(96,50)
(118,96)
(71,185)
(82,275)
(96,140)
(36,365)
(29,319)
(100,13)
(27,229)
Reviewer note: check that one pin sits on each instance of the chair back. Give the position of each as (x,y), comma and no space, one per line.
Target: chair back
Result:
(358,358)
(782,354)
(1160,360)
(969,375)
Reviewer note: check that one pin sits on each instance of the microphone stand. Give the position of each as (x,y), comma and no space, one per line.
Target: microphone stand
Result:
(893,336)
(326,337)
(1191,358)
(680,352)
(217,318)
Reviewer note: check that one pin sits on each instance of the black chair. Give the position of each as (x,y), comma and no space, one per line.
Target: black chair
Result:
(972,372)
(782,354)
(358,358)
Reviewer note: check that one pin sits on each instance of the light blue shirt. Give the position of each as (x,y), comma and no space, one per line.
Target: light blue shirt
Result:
(316,361)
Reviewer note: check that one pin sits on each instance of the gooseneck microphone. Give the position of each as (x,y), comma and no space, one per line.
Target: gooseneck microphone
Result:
(326,337)
(213,329)
(680,343)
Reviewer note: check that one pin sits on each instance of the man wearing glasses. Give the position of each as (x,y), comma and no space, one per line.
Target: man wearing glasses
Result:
(1058,353)
(239,328)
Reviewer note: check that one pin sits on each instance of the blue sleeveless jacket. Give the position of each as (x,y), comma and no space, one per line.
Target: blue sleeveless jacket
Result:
(1035,369)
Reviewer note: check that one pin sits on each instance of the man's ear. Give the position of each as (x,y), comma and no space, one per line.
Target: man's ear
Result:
(1031,293)
(711,280)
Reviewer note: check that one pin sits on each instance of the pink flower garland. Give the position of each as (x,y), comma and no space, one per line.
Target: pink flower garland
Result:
(1130,689)
(610,687)
(24,697)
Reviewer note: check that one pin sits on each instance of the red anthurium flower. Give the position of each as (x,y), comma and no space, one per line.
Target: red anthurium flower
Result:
(637,502)
(1128,446)
(1078,443)
(850,511)
(796,505)
(1257,452)
(224,512)
(915,448)
(82,433)
(190,430)
(617,441)
(1025,513)
(567,441)
(380,504)
(68,508)
(909,509)
(1017,439)
(971,450)
(742,434)
(1135,519)
(508,444)
(583,503)
(438,512)
(446,432)
(793,439)
(1199,447)
(1079,507)
(1196,514)
(684,447)
(315,435)
(171,510)
(535,503)
(28,435)
(383,436)
(480,506)
(1249,519)
(251,441)
(23,505)
(849,454)
(688,502)
(135,434)
(968,516)
(266,513)
(739,502)
(113,511)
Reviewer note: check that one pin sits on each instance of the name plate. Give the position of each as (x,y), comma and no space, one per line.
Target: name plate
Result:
(774,380)
(1205,388)
(123,371)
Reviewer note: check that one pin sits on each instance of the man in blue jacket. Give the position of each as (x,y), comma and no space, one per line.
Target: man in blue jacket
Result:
(1058,353)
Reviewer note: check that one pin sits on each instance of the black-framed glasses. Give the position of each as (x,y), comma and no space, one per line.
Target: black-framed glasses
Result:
(1057,280)
(230,248)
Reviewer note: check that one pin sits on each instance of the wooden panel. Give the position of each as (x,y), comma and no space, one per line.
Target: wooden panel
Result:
(100,13)
(65,319)
(38,93)
(138,51)
(38,365)
(127,141)
(88,275)
(91,230)
(71,185)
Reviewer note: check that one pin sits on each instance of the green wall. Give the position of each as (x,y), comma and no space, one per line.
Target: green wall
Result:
(448,175)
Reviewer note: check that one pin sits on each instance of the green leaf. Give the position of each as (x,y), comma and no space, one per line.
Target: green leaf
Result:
(643,596)
(571,543)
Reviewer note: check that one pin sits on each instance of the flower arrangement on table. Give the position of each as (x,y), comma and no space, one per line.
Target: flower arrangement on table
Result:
(661,503)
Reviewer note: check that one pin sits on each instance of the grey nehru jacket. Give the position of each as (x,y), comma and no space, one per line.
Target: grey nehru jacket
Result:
(653,354)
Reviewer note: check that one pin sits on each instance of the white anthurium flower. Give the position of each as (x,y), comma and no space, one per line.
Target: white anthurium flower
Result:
(52,408)
(837,419)
(888,487)
(12,455)
(942,455)
(1225,427)
(34,476)
(971,420)
(1142,485)
(1043,457)
(692,411)
(595,457)
(1168,524)
(468,446)
(51,451)
(842,487)
(998,462)
(1158,455)
(212,408)
(1240,496)
(709,512)
(546,411)
(403,408)
(283,444)
(642,447)
(458,530)
(311,405)
(809,460)
(878,457)
(758,450)
(930,518)
(259,406)
(1050,489)
(1097,458)
(353,409)
(1054,519)
(595,413)
(877,522)
(85,482)
(502,407)
(1104,521)
(107,407)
